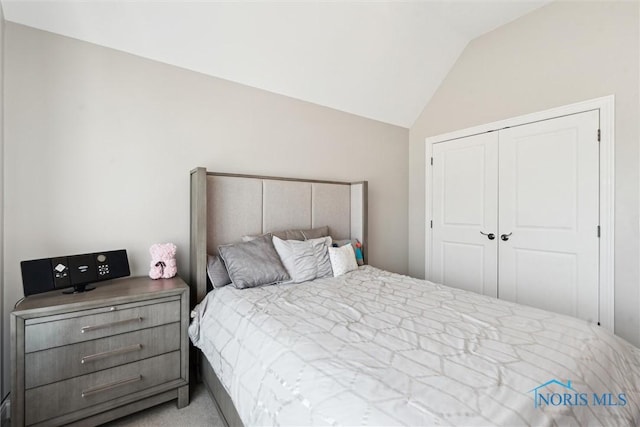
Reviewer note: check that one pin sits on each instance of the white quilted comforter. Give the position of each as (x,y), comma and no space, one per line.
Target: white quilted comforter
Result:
(377,348)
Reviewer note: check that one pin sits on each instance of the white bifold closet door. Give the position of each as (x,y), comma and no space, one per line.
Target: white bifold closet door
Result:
(545,199)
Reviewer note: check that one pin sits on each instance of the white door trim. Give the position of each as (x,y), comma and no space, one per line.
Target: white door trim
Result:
(607,182)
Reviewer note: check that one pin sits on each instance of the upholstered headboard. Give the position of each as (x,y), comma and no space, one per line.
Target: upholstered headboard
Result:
(225,207)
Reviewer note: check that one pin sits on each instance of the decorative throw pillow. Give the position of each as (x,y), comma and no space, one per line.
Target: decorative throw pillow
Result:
(343,259)
(253,263)
(217,272)
(357,248)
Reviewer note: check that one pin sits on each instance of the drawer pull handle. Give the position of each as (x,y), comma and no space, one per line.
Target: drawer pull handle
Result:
(116,352)
(106,387)
(108,325)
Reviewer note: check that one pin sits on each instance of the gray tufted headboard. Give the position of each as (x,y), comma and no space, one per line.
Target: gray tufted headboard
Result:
(225,207)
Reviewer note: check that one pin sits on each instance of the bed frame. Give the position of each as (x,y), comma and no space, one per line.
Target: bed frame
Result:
(225,207)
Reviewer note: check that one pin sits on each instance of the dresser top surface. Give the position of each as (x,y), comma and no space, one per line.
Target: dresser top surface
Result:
(113,291)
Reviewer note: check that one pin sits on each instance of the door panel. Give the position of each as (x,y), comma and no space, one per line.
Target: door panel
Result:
(538,275)
(464,181)
(545,175)
(462,265)
(549,178)
(465,202)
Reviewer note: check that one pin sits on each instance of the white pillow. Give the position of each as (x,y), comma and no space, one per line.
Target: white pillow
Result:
(304,260)
(321,247)
(343,259)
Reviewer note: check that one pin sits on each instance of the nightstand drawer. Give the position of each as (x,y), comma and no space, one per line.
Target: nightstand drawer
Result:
(69,361)
(67,396)
(71,330)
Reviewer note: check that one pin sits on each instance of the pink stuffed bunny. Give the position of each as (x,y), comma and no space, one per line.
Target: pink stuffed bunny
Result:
(163,261)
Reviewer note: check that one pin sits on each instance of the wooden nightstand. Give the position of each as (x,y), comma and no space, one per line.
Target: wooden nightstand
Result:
(92,357)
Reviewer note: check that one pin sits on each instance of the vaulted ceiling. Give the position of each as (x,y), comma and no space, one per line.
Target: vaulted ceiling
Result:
(381,59)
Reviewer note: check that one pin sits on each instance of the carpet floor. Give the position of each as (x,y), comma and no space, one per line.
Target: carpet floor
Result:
(200,412)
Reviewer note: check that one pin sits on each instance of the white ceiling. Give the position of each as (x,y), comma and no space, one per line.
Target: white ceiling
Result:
(382,60)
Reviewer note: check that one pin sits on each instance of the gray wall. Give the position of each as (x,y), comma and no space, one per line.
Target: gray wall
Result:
(560,54)
(99,145)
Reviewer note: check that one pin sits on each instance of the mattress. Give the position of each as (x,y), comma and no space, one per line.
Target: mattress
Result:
(377,348)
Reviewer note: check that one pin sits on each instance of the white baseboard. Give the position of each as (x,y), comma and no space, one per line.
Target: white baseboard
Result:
(5,413)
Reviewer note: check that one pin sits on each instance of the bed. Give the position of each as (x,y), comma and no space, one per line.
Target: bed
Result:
(371,347)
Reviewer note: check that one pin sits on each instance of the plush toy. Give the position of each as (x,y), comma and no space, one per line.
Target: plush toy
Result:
(358,251)
(163,261)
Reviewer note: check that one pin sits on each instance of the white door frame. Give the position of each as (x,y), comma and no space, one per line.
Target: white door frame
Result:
(607,180)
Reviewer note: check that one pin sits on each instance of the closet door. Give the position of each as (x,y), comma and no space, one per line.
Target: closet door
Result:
(465,205)
(549,211)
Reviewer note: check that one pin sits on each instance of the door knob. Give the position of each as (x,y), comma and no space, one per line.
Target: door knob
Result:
(490,236)
(505,237)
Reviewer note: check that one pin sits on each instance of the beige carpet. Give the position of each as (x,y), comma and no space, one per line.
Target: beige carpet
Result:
(200,412)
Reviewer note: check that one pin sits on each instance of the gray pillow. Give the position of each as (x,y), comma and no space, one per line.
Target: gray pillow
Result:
(250,237)
(284,235)
(217,272)
(316,233)
(312,233)
(289,234)
(253,263)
